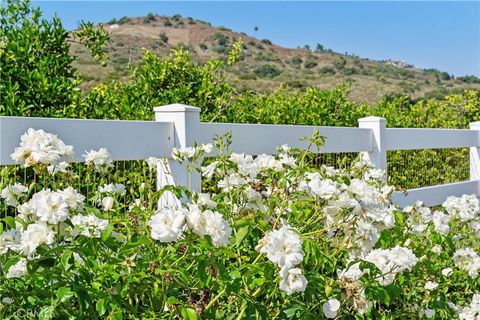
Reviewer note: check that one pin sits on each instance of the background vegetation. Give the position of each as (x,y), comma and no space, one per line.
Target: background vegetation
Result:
(40,77)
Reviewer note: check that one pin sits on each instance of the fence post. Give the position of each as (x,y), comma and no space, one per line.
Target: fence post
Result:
(186,121)
(475,155)
(378,156)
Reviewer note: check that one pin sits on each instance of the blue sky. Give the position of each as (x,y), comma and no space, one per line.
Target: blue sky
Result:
(442,35)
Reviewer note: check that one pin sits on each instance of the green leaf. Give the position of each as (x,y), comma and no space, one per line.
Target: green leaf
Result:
(100,307)
(189,314)
(241,234)
(106,234)
(202,266)
(242,223)
(290,312)
(172,300)
(10,221)
(46,313)
(64,294)
(64,259)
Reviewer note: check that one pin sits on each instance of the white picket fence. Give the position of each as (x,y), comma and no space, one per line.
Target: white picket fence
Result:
(179,126)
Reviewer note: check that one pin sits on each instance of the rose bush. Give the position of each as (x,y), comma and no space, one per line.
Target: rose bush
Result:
(272,238)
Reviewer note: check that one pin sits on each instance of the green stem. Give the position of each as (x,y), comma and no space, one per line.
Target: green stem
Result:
(215,299)
(242,311)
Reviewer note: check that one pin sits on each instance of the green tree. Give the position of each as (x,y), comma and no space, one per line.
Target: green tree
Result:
(37,76)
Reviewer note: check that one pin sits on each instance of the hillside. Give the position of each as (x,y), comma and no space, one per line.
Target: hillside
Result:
(264,65)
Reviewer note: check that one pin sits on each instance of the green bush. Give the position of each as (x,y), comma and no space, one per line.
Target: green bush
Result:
(267,71)
(37,77)
(327,71)
(149,18)
(124,20)
(340,63)
(310,63)
(163,37)
(221,39)
(297,61)
(220,49)
(468,79)
(248,76)
(259,46)
(266,41)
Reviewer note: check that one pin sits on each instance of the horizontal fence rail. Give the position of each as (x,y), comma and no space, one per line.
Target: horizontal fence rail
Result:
(262,138)
(125,140)
(179,126)
(436,195)
(411,139)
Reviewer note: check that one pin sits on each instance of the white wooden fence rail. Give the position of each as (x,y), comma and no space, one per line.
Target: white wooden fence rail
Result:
(179,126)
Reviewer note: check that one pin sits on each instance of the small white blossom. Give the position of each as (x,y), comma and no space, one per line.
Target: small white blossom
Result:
(441,220)
(78,259)
(197,220)
(209,170)
(39,147)
(325,189)
(437,249)
(471,312)
(61,167)
(429,313)
(447,272)
(352,273)
(430,285)
(107,203)
(35,235)
(204,200)
(282,247)
(11,240)
(100,159)
(50,206)
(391,261)
(467,259)
(167,224)
(18,270)
(330,308)
(218,229)
(152,163)
(11,193)
(88,226)
(113,189)
(465,207)
(292,280)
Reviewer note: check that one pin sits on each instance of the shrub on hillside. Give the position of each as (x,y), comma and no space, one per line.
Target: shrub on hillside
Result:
(124,20)
(266,41)
(267,71)
(310,63)
(163,37)
(297,61)
(327,71)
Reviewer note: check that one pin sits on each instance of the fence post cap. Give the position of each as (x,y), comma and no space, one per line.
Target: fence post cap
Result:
(372,119)
(176,107)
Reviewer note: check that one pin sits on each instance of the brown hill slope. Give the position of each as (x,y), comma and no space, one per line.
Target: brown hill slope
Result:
(264,65)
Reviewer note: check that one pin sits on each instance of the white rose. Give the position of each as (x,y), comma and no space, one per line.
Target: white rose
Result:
(330,308)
